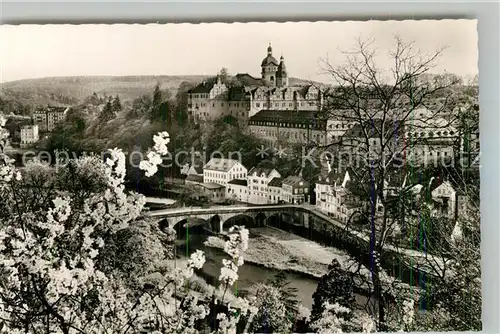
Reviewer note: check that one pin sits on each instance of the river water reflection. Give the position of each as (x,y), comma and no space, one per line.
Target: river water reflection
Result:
(249,274)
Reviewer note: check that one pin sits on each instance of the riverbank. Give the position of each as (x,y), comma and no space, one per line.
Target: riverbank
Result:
(276,249)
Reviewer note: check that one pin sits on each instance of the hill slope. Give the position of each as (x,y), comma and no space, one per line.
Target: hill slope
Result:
(71,90)
(75,89)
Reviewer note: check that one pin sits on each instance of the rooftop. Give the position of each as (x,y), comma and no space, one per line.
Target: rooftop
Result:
(276,182)
(204,87)
(248,80)
(295,181)
(221,165)
(331,178)
(47,109)
(211,186)
(29,126)
(291,116)
(260,170)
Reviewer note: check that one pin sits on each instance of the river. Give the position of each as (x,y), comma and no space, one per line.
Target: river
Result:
(249,274)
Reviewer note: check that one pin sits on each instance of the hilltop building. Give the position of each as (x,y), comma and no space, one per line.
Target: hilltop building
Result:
(280,128)
(213,99)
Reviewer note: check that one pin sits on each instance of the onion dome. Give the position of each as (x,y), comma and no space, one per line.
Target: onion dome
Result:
(269,60)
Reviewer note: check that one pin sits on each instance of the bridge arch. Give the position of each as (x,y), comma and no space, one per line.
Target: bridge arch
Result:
(240,219)
(261,219)
(215,223)
(274,219)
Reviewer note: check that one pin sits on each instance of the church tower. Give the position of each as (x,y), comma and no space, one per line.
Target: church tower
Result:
(282,75)
(269,67)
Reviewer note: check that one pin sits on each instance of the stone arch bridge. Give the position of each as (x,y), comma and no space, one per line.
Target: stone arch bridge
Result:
(263,212)
(258,214)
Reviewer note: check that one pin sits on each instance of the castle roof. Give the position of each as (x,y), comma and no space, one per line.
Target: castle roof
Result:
(281,67)
(204,87)
(269,60)
(237,93)
(293,116)
(248,80)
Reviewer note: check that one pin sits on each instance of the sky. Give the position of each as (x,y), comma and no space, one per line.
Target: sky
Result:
(34,51)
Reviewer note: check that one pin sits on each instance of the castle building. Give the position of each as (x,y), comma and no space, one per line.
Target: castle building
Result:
(248,95)
(283,128)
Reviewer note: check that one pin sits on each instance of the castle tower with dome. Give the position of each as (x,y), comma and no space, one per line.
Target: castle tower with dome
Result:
(274,73)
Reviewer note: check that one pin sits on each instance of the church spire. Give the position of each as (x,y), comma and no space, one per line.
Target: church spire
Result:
(269,50)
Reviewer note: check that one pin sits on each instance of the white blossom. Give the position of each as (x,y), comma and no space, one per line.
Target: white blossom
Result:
(197,259)
(161,140)
(150,166)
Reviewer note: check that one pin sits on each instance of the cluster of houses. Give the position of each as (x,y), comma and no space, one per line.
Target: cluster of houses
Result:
(44,120)
(222,180)
(339,197)
(336,194)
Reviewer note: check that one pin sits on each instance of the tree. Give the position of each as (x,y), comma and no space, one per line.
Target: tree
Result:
(157,97)
(288,293)
(116,105)
(224,75)
(468,129)
(272,316)
(382,104)
(181,102)
(65,235)
(452,291)
(334,287)
(142,105)
(107,112)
